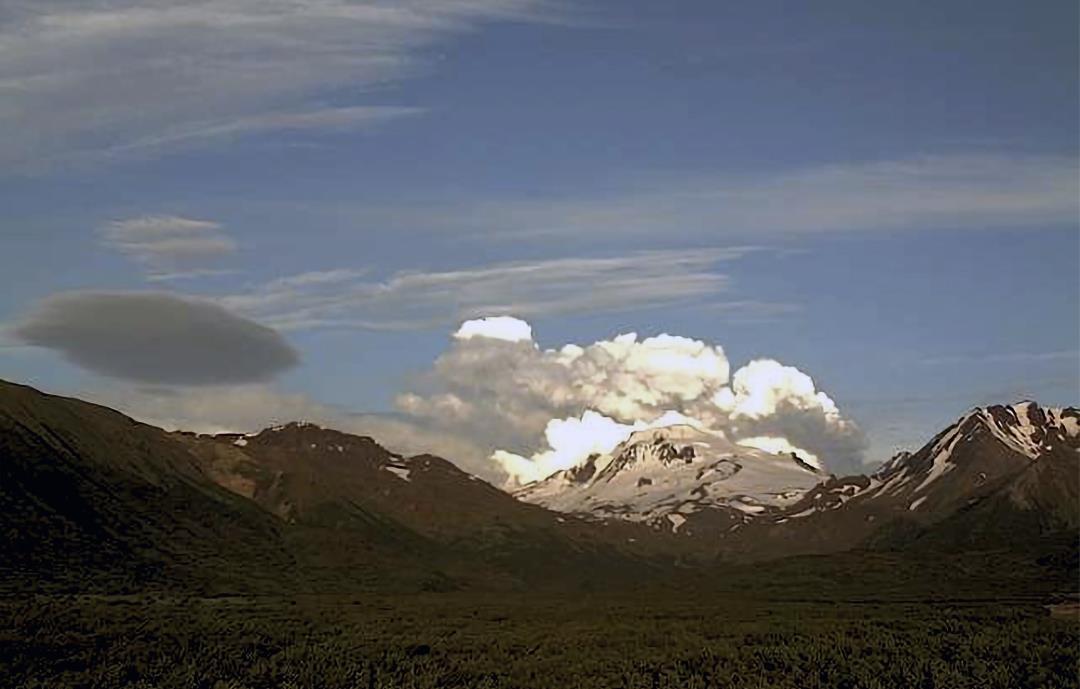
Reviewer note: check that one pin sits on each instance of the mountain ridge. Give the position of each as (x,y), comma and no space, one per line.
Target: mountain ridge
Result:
(1005,438)
(90,494)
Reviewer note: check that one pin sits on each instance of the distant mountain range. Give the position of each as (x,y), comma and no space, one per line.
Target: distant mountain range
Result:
(91,498)
(692,481)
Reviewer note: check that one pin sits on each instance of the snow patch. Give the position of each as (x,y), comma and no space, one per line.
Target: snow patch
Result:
(746,507)
(401,472)
(941,452)
(676,520)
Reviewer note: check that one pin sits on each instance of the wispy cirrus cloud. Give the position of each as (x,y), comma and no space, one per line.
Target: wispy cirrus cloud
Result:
(169,247)
(931,192)
(1004,358)
(81,80)
(325,119)
(415,300)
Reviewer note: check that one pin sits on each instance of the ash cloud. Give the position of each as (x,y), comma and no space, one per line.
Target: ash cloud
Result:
(156,338)
(541,410)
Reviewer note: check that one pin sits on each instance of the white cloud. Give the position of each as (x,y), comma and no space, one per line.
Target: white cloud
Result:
(521,388)
(506,409)
(570,441)
(166,246)
(542,410)
(496,327)
(112,76)
(416,300)
(762,386)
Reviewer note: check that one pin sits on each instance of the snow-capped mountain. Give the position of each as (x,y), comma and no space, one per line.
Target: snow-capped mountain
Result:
(666,474)
(972,456)
(694,481)
(1001,477)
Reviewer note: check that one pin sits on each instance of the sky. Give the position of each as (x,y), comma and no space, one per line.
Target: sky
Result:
(226,213)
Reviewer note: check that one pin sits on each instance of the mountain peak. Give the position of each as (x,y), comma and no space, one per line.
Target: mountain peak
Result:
(658,447)
(1027,427)
(293,426)
(663,475)
(306,439)
(981,448)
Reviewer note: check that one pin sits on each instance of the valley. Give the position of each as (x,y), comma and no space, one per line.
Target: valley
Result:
(300,556)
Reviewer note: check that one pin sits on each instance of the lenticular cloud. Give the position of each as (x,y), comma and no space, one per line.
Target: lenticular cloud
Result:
(542,410)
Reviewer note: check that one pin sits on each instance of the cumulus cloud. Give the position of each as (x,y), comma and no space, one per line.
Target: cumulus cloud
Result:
(167,246)
(496,327)
(570,441)
(156,338)
(761,387)
(542,410)
(520,387)
(502,407)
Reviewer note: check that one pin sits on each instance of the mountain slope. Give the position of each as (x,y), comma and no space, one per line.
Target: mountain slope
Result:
(319,480)
(674,475)
(86,489)
(993,478)
(91,498)
(978,455)
(998,477)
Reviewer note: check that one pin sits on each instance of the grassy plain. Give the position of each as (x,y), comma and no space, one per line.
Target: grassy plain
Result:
(644,640)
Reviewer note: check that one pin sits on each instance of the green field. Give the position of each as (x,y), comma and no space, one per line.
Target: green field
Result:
(873,620)
(461,640)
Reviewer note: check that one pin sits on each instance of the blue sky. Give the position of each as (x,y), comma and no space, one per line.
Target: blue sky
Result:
(881,194)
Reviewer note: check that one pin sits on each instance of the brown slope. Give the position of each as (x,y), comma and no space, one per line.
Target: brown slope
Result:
(87,493)
(317,478)
(90,498)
